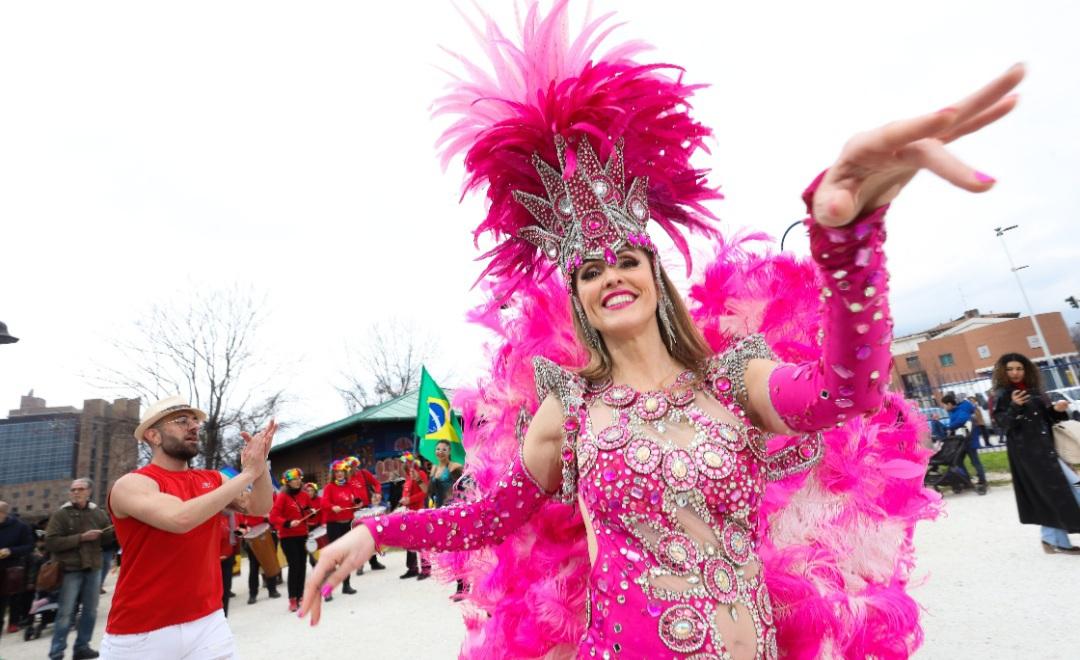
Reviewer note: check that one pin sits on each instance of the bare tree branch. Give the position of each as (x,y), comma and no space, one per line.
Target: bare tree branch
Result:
(387,366)
(203,349)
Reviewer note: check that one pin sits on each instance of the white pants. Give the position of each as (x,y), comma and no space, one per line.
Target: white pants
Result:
(208,638)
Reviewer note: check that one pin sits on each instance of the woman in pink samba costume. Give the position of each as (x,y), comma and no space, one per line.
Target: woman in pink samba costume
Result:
(683,449)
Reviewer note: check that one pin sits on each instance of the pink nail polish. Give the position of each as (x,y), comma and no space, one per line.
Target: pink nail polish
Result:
(326,590)
(984,178)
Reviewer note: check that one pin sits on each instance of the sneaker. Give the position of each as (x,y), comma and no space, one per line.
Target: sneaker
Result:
(980,489)
(423,576)
(252,599)
(347,590)
(85,654)
(1051,549)
(293,605)
(375,565)
(409,574)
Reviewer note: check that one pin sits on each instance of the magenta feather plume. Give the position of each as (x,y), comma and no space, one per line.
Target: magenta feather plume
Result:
(837,541)
(545,84)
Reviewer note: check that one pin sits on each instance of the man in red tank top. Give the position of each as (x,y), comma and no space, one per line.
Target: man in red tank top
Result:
(167,602)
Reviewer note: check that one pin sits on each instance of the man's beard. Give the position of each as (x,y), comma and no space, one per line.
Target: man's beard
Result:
(178,447)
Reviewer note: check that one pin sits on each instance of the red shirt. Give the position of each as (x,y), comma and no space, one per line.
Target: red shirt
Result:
(412,495)
(342,496)
(167,578)
(286,508)
(363,480)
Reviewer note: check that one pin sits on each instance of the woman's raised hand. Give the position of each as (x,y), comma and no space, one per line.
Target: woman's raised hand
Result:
(874,166)
(336,562)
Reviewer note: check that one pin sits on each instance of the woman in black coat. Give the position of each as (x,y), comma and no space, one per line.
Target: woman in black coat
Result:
(1047,490)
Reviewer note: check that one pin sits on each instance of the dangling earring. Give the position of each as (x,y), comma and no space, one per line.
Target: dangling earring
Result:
(664,306)
(592,338)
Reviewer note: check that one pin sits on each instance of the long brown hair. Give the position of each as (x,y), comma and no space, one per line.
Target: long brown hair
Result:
(690,348)
(1032,375)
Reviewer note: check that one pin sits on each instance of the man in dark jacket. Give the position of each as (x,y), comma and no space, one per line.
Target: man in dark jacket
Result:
(16,542)
(74,537)
(960,414)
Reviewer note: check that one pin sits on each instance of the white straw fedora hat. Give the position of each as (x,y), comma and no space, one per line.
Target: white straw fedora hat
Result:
(166,406)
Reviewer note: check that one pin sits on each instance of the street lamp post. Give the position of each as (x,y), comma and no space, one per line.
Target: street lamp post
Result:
(1000,232)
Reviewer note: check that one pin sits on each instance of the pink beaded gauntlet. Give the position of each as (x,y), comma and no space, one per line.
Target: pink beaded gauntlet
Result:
(849,379)
(464,525)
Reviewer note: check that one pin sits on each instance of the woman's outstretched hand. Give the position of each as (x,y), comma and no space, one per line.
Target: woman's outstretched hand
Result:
(336,562)
(874,166)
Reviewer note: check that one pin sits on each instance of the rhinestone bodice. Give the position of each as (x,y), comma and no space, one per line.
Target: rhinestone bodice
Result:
(670,481)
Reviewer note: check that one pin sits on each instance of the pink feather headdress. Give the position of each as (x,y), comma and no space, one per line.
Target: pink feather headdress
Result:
(547,101)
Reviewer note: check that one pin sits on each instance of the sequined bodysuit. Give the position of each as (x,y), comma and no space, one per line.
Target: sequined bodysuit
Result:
(670,482)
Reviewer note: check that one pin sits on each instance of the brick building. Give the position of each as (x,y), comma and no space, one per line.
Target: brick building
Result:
(959,355)
(377,436)
(42,449)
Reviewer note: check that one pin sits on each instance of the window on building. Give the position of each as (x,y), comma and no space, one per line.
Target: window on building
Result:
(36,449)
(913,362)
(1033,341)
(947,360)
(46,492)
(984,351)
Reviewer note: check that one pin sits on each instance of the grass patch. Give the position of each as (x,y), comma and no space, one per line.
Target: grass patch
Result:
(994,461)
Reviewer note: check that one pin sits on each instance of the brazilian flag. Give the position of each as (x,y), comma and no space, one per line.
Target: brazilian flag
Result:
(435,421)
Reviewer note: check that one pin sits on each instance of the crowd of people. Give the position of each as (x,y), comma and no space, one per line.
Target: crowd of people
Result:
(84,538)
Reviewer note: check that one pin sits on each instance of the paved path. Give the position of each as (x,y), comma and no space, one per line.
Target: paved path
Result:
(988,589)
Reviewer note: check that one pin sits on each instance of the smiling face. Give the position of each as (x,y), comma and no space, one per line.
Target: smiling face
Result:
(620,299)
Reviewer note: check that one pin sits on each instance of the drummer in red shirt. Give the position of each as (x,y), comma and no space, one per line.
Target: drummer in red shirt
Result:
(292,509)
(340,500)
(414,495)
(370,491)
(244,523)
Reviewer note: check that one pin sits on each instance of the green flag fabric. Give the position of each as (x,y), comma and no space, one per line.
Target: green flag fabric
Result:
(435,421)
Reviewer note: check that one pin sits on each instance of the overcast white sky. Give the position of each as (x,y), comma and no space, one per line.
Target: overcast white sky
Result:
(149,148)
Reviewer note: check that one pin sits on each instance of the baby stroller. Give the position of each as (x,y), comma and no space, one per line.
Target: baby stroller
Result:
(946,468)
(42,613)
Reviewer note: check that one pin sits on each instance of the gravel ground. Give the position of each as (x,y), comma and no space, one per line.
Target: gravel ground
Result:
(988,590)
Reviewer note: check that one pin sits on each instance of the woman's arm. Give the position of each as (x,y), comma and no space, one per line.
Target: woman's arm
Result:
(847,205)
(849,379)
(532,477)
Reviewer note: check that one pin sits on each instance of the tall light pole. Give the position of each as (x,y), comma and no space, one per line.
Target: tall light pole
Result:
(1000,232)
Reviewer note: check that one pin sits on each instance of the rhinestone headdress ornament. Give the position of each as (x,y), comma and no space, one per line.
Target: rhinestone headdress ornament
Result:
(588,213)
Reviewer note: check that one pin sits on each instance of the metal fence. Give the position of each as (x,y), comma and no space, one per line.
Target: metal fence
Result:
(1064,372)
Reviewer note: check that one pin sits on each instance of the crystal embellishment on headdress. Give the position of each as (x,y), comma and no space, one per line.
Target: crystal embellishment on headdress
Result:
(589,213)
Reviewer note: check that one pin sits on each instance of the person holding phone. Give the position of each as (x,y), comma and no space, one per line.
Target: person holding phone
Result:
(1046,488)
